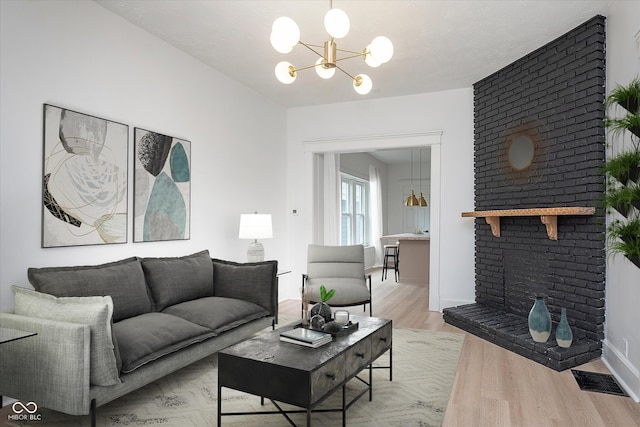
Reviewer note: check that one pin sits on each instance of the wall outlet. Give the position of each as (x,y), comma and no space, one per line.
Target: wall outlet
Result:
(626,347)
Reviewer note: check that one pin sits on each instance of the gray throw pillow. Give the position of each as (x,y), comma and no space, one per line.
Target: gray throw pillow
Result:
(122,280)
(95,312)
(254,282)
(175,280)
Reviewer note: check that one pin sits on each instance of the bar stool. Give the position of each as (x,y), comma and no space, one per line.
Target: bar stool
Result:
(391,253)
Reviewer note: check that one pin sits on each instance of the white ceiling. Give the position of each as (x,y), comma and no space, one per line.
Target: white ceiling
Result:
(439,45)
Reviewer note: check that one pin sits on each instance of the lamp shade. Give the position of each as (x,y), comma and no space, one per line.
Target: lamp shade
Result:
(255,226)
(325,73)
(285,34)
(336,22)
(362,84)
(381,49)
(412,200)
(369,59)
(422,201)
(285,72)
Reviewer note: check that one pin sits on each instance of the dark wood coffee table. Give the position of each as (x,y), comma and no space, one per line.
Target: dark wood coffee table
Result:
(302,376)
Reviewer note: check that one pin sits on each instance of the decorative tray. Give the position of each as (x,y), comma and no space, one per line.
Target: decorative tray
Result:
(346,329)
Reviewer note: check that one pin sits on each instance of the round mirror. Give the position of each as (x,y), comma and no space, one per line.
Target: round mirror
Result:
(521,152)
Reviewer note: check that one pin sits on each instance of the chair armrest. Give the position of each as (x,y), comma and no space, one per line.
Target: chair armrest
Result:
(51,368)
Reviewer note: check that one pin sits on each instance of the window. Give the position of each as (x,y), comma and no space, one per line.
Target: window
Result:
(354,210)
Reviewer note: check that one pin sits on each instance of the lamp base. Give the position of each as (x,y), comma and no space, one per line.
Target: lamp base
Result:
(255,252)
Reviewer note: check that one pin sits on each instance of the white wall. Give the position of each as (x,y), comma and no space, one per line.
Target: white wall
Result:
(622,339)
(450,112)
(80,56)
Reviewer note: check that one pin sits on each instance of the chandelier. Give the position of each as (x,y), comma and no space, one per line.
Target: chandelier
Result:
(285,35)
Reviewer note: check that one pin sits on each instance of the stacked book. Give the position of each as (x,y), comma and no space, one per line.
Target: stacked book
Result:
(306,337)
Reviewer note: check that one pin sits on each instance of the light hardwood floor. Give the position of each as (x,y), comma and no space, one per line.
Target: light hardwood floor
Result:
(493,386)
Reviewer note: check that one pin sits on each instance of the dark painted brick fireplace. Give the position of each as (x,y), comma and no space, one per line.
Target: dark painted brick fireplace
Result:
(554,96)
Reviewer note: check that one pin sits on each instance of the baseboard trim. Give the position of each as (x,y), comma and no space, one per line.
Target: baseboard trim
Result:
(626,374)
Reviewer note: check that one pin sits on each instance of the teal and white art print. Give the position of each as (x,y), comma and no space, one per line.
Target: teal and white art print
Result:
(162,189)
(84,194)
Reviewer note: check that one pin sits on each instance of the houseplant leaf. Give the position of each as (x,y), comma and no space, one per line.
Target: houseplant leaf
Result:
(627,96)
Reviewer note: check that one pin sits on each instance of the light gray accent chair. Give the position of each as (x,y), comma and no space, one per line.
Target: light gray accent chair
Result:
(340,268)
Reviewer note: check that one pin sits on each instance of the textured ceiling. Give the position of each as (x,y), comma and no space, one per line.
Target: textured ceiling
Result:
(439,45)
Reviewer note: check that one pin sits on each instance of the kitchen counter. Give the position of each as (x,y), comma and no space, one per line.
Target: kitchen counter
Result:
(407,236)
(414,256)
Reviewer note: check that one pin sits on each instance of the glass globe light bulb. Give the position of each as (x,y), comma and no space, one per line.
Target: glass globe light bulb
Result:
(325,73)
(381,49)
(285,72)
(285,31)
(336,22)
(362,84)
(369,59)
(279,44)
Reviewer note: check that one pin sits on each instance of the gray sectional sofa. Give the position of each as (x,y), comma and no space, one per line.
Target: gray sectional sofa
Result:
(106,330)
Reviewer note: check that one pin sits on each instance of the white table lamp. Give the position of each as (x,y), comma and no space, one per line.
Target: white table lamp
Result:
(255,226)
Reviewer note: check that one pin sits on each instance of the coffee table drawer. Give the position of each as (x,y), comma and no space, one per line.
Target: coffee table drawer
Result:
(358,357)
(381,340)
(327,377)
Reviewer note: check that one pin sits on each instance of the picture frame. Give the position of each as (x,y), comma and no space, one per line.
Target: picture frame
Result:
(162,187)
(85,179)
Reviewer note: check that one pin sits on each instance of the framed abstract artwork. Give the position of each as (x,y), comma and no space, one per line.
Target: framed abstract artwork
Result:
(162,189)
(84,195)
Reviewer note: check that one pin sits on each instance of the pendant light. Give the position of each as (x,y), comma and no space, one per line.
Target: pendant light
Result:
(285,35)
(411,200)
(421,201)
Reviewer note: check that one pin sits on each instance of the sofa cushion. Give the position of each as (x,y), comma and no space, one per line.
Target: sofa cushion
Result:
(174,280)
(149,336)
(254,282)
(217,313)
(95,312)
(122,280)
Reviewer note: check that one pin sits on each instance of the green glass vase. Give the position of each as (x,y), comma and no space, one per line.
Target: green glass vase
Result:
(539,321)
(564,336)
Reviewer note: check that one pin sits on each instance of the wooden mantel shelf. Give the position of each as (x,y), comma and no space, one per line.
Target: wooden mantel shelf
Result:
(548,216)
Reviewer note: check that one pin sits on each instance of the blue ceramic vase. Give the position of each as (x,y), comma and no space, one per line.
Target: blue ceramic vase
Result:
(564,336)
(539,321)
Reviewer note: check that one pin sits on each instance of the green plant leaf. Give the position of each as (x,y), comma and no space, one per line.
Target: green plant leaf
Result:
(324,295)
(627,96)
(329,295)
(624,237)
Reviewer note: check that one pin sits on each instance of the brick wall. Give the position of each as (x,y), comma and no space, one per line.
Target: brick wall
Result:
(554,96)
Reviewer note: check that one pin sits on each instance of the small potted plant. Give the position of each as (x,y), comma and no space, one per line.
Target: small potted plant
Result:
(322,308)
(624,238)
(623,198)
(630,122)
(625,166)
(626,96)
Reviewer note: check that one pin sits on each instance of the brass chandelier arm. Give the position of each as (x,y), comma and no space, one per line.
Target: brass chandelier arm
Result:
(340,68)
(308,46)
(304,68)
(349,57)
(352,51)
(311,48)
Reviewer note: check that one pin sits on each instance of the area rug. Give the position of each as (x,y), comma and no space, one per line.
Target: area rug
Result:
(424,366)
